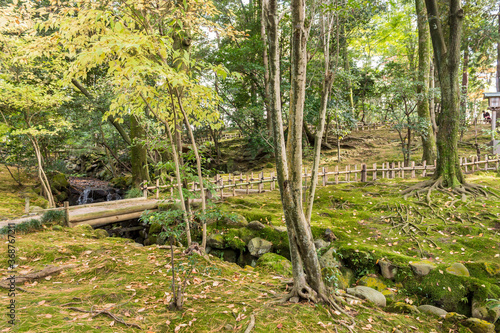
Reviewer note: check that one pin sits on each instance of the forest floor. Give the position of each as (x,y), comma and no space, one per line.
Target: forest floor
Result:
(114,276)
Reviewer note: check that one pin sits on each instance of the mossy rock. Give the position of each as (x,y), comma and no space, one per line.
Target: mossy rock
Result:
(329,259)
(486,311)
(234,242)
(493,269)
(372,282)
(57,228)
(234,221)
(101,233)
(84,229)
(402,307)
(154,228)
(166,206)
(216,241)
(454,317)
(458,269)
(479,326)
(433,310)
(333,278)
(59,181)
(275,262)
(62,196)
(122,182)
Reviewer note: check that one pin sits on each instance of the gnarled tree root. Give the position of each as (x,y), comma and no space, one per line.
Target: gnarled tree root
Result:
(462,191)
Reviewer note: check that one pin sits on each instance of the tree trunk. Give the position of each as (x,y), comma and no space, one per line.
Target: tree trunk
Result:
(325,94)
(265,59)
(198,168)
(424,57)
(464,92)
(498,53)
(448,62)
(138,152)
(308,283)
(41,173)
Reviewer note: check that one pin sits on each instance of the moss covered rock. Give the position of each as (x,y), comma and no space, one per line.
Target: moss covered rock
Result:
(329,259)
(422,268)
(101,233)
(479,326)
(234,221)
(275,262)
(154,228)
(372,282)
(215,241)
(458,269)
(402,307)
(431,309)
(370,294)
(258,246)
(59,181)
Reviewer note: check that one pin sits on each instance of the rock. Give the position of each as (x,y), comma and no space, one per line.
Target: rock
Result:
(493,269)
(454,317)
(101,233)
(255,225)
(59,181)
(215,241)
(431,309)
(372,282)
(229,327)
(154,228)
(319,244)
(458,269)
(57,228)
(387,269)
(329,235)
(479,326)
(370,294)
(280,229)
(333,278)
(258,246)
(489,313)
(84,228)
(402,307)
(329,259)
(275,262)
(422,269)
(36,209)
(235,221)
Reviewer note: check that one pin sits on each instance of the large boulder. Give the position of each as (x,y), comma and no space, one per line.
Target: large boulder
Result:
(255,225)
(488,312)
(387,269)
(258,246)
(402,307)
(59,181)
(422,268)
(372,282)
(235,221)
(370,294)
(479,326)
(319,244)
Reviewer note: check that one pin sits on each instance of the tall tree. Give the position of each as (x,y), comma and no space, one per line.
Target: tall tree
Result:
(308,283)
(446,40)
(424,64)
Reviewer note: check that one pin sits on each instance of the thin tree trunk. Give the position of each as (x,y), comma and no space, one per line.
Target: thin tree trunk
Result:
(498,53)
(308,283)
(198,167)
(41,173)
(265,59)
(138,152)
(424,57)
(465,88)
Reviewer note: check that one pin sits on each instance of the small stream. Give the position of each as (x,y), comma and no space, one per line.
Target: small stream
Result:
(89,190)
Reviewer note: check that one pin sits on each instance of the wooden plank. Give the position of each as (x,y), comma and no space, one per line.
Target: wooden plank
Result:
(112,219)
(111,212)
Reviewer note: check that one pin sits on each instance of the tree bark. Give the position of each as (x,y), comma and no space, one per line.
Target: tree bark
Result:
(265,59)
(447,57)
(498,53)
(41,173)
(308,283)
(424,57)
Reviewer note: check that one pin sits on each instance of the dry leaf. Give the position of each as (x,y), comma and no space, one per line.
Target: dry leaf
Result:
(41,302)
(112,323)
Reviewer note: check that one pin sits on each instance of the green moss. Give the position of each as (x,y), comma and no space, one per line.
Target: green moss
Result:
(276,263)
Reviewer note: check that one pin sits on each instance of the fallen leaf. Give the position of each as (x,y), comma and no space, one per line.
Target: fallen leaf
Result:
(112,323)
(280,325)
(41,302)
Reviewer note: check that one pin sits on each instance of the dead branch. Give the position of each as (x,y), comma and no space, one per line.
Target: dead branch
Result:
(49,270)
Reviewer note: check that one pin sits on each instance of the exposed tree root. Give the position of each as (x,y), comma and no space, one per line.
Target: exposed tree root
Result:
(107,313)
(49,270)
(251,325)
(462,191)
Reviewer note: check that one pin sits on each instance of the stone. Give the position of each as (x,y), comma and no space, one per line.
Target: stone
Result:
(479,326)
(101,233)
(422,269)
(36,209)
(431,309)
(215,241)
(235,221)
(387,269)
(255,225)
(454,317)
(59,181)
(280,228)
(402,307)
(329,259)
(370,294)
(372,282)
(319,244)
(57,228)
(329,235)
(458,269)
(154,228)
(275,262)
(258,246)
(493,269)
(489,313)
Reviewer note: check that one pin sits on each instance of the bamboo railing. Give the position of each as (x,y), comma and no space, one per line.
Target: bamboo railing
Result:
(231,184)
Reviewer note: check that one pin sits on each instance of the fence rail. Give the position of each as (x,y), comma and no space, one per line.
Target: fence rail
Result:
(230,184)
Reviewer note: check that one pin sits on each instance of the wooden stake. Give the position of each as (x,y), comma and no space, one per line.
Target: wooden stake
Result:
(66,213)
(145,189)
(248,181)
(374,177)
(26,205)
(157,188)
(324,176)
(412,169)
(336,174)
(363,173)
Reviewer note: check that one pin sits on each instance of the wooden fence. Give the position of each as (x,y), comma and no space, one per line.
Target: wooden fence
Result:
(233,184)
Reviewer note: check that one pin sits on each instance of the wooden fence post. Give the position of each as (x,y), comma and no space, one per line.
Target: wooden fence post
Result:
(305,180)
(348,173)
(400,172)
(171,187)
(393,171)
(251,179)
(355,172)
(496,162)
(248,188)
(234,186)
(374,177)
(324,176)
(66,213)
(465,164)
(26,205)
(424,172)
(486,162)
(412,169)
(383,170)
(473,164)
(261,175)
(157,188)
(221,179)
(363,173)
(145,189)
(336,174)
